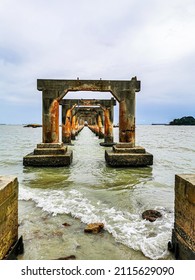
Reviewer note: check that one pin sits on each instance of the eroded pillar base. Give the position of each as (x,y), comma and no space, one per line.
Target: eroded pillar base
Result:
(123,154)
(179,246)
(49,154)
(107,144)
(183,237)
(8,214)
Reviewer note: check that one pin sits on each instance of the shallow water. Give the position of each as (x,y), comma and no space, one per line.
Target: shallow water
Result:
(89,191)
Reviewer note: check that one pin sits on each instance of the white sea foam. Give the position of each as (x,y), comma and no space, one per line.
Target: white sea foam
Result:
(129,229)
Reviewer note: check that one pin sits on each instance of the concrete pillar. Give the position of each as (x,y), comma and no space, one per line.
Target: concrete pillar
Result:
(108,127)
(8,214)
(81,120)
(66,128)
(50,152)
(100,126)
(64,111)
(50,120)
(183,235)
(93,120)
(113,103)
(127,117)
(73,128)
(77,126)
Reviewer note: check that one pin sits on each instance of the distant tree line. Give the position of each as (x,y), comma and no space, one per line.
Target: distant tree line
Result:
(183,121)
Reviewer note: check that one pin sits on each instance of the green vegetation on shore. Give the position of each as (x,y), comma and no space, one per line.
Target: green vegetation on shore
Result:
(183,121)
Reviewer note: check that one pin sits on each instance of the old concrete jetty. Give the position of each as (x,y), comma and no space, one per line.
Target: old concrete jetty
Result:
(98,114)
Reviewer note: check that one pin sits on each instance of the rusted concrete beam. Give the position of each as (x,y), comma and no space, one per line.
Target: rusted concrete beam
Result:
(89,102)
(113,86)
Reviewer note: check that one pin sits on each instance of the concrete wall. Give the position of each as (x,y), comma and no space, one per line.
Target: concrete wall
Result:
(8,213)
(184,227)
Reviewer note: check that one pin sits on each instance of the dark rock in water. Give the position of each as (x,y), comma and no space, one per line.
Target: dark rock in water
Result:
(94,228)
(151,215)
(66,225)
(71,257)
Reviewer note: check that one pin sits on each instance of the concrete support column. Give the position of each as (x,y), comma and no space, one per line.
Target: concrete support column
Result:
(82,121)
(108,127)
(93,120)
(73,128)
(77,126)
(127,117)
(100,126)
(66,128)
(64,110)
(50,118)
(112,110)
(95,126)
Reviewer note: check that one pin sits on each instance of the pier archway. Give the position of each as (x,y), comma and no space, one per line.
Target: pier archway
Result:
(53,92)
(98,113)
(53,153)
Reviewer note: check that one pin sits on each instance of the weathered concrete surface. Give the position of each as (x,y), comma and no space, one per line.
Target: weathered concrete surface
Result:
(68,122)
(100,127)
(8,213)
(131,157)
(124,149)
(127,159)
(49,154)
(88,102)
(63,86)
(50,151)
(127,117)
(183,235)
(50,121)
(73,128)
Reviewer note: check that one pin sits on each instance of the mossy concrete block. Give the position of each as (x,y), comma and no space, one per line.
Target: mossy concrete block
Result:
(8,213)
(50,151)
(124,159)
(134,150)
(53,160)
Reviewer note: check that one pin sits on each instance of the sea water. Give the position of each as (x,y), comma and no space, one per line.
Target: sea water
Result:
(55,204)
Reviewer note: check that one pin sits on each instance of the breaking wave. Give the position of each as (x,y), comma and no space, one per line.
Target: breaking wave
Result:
(127,228)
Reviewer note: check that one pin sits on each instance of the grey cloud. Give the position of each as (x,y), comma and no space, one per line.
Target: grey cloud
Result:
(109,39)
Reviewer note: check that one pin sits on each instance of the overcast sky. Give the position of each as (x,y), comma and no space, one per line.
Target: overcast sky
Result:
(91,39)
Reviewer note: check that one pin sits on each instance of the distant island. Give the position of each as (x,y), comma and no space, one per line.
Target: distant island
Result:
(33,125)
(183,121)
